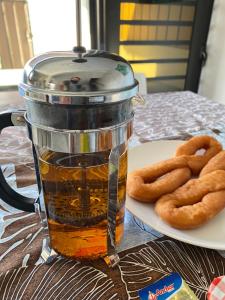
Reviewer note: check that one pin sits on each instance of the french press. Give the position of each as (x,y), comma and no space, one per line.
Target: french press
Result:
(79,118)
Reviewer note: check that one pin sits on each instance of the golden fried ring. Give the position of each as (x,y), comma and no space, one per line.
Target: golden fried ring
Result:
(215,163)
(195,203)
(150,183)
(197,162)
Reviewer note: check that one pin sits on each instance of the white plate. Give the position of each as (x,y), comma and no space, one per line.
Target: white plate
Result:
(210,235)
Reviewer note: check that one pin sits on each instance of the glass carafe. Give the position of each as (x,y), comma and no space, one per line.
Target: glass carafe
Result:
(79,116)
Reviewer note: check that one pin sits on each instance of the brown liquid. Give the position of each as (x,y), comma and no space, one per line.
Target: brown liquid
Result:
(76,199)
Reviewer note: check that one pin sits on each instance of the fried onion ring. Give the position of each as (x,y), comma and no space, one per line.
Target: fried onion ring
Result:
(197,162)
(195,203)
(150,183)
(215,163)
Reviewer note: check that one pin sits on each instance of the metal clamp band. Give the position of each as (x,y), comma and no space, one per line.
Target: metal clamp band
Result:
(80,141)
(79,99)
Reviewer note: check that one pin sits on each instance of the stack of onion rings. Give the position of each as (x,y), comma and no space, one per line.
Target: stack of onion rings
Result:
(150,183)
(195,203)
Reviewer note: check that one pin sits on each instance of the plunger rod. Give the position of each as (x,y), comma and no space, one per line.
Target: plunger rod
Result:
(78,22)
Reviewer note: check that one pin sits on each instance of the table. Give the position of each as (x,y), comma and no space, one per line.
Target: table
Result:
(144,251)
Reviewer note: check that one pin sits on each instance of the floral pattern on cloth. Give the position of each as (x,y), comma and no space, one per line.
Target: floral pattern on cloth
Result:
(176,115)
(197,266)
(65,279)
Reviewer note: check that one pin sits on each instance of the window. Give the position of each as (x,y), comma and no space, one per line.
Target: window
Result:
(31,27)
(156,39)
(163,39)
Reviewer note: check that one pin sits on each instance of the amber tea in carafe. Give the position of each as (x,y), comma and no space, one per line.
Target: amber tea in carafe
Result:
(76,198)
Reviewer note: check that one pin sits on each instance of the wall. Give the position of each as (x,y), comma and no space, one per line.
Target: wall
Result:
(212,81)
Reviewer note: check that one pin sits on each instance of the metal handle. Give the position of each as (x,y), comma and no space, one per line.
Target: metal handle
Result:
(138,100)
(112,258)
(204,55)
(7,194)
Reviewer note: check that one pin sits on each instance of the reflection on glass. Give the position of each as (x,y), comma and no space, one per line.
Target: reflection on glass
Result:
(144,33)
(162,12)
(139,52)
(166,37)
(165,85)
(158,70)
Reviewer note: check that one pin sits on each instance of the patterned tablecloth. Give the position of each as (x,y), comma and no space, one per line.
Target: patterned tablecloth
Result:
(145,254)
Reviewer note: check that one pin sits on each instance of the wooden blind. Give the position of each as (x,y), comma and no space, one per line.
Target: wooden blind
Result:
(15,34)
(155,37)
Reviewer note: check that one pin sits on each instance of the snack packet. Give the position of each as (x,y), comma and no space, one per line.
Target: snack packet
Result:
(217,288)
(171,287)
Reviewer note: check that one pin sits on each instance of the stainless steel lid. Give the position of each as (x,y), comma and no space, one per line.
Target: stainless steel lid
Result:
(95,77)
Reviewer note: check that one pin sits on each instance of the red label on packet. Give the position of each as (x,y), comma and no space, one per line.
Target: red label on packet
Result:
(169,287)
(217,288)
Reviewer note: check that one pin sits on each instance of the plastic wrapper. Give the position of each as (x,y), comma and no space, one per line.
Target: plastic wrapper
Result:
(171,287)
